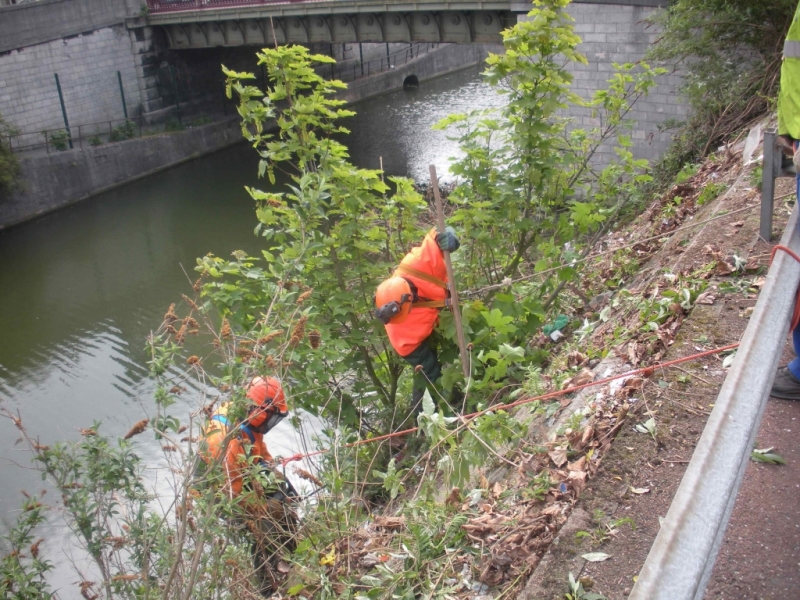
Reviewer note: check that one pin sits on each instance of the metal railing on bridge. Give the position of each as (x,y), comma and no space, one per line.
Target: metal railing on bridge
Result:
(164,6)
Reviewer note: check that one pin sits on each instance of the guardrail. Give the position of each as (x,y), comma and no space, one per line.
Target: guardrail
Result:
(682,558)
(773,166)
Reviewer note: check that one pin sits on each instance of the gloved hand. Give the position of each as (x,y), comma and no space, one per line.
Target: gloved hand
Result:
(448,242)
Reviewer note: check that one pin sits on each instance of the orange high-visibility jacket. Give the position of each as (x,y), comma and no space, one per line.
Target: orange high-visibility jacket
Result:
(427,258)
(236,459)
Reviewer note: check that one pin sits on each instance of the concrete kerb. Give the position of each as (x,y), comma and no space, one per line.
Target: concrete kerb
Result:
(560,560)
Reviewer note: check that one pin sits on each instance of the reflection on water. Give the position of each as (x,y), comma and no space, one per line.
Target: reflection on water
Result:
(397,127)
(81,289)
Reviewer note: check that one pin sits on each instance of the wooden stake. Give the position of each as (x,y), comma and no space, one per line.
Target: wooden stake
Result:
(454,307)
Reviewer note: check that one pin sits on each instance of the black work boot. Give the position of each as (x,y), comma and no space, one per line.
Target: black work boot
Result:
(785,386)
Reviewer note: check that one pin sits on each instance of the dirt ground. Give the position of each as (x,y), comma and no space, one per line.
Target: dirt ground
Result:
(619,512)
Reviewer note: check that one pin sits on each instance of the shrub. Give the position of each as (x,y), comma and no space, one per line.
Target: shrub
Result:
(9,165)
(126,131)
(201,120)
(730,56)
(59,139)
(173,125)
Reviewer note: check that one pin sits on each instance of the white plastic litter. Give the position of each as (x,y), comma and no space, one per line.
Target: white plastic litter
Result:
(754,139)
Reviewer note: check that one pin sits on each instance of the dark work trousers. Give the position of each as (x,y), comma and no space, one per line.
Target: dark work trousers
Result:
(423,356)
(794,366)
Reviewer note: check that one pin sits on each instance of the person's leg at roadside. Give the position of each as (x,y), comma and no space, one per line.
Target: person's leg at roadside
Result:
(787,381)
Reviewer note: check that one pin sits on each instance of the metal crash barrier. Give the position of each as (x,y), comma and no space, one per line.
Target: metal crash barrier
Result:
(682,558)
(774,165)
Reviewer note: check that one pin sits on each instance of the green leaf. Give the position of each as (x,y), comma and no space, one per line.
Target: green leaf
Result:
(765,456)
(428,407)
(296,589)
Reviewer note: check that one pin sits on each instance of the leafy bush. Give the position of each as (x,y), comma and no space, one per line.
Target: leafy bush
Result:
(730,56)
(338,232)
(125,131)
(202,120)
(9,165)
(194,545)
(173,125)
(59,139)
(710,192)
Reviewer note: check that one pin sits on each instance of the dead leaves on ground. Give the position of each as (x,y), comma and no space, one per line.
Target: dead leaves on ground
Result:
(583,377)
(508,522)
(517,540)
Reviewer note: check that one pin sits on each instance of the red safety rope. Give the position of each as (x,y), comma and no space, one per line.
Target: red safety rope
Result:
(648,371)
(790,252)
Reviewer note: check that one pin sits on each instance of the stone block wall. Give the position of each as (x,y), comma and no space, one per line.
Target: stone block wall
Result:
(87,66)
(31,23)
(614,33)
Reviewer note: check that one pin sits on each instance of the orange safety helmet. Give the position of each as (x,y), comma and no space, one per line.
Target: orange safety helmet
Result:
(270,403)
(393,301)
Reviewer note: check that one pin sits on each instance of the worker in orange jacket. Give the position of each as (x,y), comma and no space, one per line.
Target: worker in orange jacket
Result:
(245,446)
(408,305)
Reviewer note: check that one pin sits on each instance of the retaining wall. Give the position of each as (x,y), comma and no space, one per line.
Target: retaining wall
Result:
(33,23)
(62,178)
(445,59)
(614,33)
(87,67)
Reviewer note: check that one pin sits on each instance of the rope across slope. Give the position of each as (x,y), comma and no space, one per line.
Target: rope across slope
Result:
(647,371)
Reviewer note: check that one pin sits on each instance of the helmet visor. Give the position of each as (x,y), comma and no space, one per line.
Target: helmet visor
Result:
(271,419)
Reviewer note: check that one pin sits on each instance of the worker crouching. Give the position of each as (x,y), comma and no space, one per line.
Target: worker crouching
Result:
(243,443)
(408,305)
(238,446)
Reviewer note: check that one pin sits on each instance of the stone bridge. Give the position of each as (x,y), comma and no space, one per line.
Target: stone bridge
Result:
(212,23)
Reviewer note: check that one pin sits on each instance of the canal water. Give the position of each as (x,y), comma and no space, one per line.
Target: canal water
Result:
(80,289)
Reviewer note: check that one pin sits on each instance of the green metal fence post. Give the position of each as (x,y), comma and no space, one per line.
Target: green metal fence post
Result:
(175,91)
(122,93)
(63,110)
(224,97)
